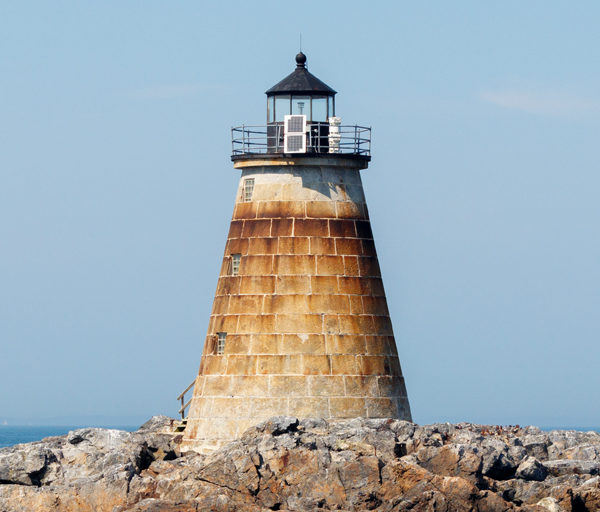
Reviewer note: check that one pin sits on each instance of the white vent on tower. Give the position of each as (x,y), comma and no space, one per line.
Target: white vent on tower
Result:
(294,134)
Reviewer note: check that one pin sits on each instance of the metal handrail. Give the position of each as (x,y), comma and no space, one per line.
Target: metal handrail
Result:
(265,139)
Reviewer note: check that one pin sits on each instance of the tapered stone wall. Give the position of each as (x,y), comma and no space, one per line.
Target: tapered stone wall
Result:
(308,331)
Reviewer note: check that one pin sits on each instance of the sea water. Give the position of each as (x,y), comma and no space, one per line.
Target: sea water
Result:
(10,435)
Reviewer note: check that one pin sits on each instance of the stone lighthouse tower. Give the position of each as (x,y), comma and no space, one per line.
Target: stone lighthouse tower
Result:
(300,324)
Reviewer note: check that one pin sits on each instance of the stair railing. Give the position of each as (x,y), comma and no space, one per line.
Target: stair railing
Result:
(181,397)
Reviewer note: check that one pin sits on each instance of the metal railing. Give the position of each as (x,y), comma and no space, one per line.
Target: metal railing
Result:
(264,139)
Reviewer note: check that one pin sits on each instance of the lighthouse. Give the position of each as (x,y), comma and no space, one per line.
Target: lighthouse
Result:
(299,324)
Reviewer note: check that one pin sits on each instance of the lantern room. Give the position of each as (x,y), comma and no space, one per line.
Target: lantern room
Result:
(300,93)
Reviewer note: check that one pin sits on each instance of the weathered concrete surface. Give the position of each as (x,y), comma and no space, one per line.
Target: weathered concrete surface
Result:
(306,465)
(308,332)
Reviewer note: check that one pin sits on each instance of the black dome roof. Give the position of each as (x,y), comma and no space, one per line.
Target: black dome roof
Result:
(300,82)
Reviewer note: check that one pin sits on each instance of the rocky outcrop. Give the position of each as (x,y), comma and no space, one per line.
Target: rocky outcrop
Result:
(306,465)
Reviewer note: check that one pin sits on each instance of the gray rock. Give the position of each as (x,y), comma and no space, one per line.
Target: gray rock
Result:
(566,467)
(532,469)
(159,424)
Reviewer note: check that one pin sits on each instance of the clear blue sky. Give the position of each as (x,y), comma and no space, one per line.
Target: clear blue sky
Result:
(116,192)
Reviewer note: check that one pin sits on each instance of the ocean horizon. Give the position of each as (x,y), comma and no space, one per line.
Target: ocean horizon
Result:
(11,435)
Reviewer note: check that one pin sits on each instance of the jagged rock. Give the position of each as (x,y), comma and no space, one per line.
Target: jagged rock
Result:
(304,465)
(532,469)
(550,504)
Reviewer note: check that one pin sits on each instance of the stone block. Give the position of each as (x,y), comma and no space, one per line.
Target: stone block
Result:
(237,344)
(320,209)
(328,304)
(394,366)
(217,385)
(245,210)
(281,209)
(352,285)
(369,266)
(391,386)
(228,285)
(309,407)
(230,407)
(301,344)
(326,385)
(268,407)
(350,265)
(330,265)
(292,285)
(320,245)
(292,323)
(368,248)
(347,407)
(241,364)
(224,271)
(311,227)
(200,407)
(245,304)
(256,284)
(293,245)
(375,306)
(249,385)
(286,304)
(235,229)
(377,345)
(214,365)
(299,265)
(282,227)
(256,228)
(331,324)
(348,246)
(345,344)
(356,307)
(279,365)
(237,246)
(287,385)
(264,343)
(361,386)
(374,286)
(342,228)
(363,229)
(382,325)
(263,246)
(381,408)
(224,323)
(403,409)
(256,324)
(324,284)
(344,365)
(349,210)
(220,305)
(351,324)
(373,365)
(315,364)
(256,265)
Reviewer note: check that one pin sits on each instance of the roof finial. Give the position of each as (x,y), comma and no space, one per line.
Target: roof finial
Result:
(300,60)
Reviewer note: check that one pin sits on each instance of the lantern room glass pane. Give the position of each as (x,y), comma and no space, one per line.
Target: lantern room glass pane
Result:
(270,109)
(301,106)
(282,107)
(330,106)
(319,108)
